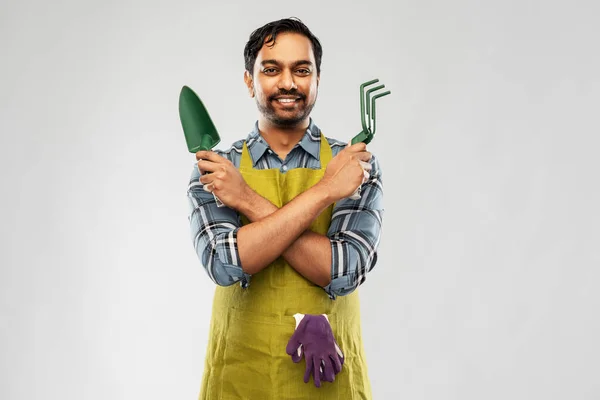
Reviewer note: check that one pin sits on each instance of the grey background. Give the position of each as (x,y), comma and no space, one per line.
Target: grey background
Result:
(486,283)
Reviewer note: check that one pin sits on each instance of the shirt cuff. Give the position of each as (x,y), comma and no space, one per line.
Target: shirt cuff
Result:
(228,260)
(341,278)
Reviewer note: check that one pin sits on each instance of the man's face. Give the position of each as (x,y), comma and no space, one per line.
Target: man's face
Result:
(285,80)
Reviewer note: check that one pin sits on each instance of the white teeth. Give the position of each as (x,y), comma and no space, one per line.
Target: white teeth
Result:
(286,100)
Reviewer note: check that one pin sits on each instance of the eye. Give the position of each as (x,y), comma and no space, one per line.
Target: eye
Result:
(304,71)
(269,70)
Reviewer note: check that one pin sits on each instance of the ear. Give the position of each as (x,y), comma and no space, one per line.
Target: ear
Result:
(249,83)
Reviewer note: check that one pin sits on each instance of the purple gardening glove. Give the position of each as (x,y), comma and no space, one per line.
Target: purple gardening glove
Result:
(314,339)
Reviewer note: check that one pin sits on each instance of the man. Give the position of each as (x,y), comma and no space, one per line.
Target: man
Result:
(289,233)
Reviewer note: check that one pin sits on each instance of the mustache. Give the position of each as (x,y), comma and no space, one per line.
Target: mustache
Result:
(283,92)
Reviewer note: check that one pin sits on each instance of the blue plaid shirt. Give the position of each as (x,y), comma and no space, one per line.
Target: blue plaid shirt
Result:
(354,232)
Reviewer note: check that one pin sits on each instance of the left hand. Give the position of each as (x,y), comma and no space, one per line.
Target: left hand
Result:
(346,171)
(222,178)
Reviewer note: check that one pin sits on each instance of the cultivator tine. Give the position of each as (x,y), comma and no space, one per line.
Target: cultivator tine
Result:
(362,103)
(373,108)
(368,111)
(369,103)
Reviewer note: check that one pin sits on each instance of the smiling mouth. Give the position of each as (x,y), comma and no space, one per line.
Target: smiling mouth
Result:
(288,103)
(285,100)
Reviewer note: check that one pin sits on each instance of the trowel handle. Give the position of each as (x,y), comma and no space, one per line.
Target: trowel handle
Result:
(217,200)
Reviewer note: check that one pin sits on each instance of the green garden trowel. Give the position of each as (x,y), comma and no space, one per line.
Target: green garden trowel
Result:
(199,130)
(366,115)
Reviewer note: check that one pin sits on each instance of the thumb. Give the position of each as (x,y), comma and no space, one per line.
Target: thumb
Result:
(293,344)
(297,356)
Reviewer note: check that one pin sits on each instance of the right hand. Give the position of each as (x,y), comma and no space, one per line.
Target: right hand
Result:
(220,177)
(347,171)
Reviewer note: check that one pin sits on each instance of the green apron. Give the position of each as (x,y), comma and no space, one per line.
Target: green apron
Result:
(251,327)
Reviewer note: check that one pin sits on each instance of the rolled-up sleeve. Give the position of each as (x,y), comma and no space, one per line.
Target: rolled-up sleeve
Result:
(214,235)
(354,233)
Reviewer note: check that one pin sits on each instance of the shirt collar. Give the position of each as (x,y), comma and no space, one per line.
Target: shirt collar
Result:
(310,142)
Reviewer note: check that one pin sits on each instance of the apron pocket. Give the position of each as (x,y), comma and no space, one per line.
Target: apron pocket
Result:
(248,359)
(256,365)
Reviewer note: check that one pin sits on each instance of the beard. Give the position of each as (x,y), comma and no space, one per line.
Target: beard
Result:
(290,118)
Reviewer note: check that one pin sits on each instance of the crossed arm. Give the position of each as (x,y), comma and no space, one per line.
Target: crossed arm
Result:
(309,253)
(337,261)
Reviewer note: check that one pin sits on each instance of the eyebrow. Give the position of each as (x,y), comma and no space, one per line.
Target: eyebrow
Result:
(294,64)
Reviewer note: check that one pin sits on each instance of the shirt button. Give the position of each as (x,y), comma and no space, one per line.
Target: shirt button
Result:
(284,168)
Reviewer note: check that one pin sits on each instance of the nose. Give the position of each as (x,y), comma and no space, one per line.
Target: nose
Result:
(286,81)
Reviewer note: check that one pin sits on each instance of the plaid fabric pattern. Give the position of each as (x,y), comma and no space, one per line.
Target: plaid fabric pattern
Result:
(354,233)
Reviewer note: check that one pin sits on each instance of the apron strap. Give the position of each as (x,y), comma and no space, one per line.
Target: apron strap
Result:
(246,161)
(325,152)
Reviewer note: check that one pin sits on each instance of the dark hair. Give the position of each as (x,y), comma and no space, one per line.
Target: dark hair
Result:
(270,30)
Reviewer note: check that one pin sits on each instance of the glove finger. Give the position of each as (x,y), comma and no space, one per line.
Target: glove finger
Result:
(297,337)
(297,355)
(321,377)
(293,343)
(336,364)
(339,353)
(328,370)
(317,371)
(309,367)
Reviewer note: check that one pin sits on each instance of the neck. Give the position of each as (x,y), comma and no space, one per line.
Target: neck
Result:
(282,139)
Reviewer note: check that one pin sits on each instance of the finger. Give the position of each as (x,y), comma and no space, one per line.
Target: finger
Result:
(339,353)
(210,166)
(328,370)
(353,148)
(365,165)
(336,363)
(309,367)
(209,155)
(293,343)
(297,355)
(364,156)
(316,371)
(321,373)
(294,346)
(211,186)
(208,178)
(366,176)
